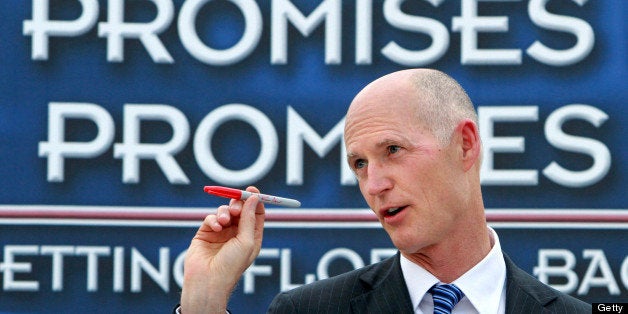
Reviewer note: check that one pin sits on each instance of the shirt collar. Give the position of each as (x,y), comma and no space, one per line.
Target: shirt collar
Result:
(418,280)
(482,285)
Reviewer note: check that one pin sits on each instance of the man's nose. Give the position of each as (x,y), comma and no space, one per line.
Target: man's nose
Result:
(379,179)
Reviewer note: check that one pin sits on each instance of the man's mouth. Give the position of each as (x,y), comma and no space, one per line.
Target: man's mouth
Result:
(393,211)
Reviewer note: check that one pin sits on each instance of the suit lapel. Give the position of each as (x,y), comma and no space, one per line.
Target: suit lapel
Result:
(385,291)
(524,294)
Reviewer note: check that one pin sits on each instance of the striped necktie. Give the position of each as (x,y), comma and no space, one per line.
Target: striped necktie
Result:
(445,298)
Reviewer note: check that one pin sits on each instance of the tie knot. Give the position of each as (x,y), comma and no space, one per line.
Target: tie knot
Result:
(445,297)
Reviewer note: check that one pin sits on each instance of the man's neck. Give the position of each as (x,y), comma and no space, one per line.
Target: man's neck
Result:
(449,260)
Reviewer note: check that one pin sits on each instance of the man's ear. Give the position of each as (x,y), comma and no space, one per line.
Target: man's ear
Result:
(471,143)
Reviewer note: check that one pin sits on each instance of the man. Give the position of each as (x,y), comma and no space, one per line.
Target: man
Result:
(412,140)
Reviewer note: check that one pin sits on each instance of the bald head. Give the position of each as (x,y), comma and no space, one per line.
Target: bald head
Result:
(433,99)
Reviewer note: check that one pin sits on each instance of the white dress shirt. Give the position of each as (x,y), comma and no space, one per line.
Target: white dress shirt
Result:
(483,285)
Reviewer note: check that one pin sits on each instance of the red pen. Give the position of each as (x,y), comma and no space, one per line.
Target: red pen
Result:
(242,195)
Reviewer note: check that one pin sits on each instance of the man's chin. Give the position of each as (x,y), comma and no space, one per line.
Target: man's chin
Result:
(405,243)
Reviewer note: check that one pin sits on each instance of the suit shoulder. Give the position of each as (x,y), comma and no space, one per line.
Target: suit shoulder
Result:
(332,295)
(349,278)
(524,290)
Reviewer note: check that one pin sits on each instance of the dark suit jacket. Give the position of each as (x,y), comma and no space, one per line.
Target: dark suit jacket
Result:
(380,288)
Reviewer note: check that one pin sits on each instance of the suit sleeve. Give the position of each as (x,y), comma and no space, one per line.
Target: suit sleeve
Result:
(282,303)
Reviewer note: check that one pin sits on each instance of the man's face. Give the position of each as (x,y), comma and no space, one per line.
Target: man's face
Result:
(407,178)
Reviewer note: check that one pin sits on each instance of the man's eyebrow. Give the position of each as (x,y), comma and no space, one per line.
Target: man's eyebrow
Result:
(381,143)
(386,142)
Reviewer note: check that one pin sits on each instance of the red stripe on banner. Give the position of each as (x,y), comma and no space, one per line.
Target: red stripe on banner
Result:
(90,214)
(619,217)
(303,215)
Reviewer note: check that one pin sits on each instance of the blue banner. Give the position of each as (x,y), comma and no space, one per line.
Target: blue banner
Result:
(114,115)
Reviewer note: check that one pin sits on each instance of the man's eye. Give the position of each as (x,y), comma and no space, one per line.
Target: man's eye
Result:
(393,149)
(359,164)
